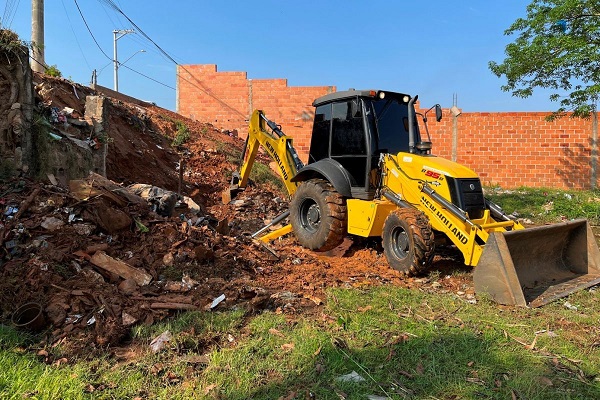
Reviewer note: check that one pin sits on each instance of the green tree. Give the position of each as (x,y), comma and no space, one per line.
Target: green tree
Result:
(557,48)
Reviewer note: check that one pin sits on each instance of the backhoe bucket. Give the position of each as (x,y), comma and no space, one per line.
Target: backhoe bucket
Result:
(534,266)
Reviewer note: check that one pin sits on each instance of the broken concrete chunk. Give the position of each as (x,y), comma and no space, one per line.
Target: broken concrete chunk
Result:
(122,269)
(128,319)
(160,341)
(84,229)
(128,286)
(163,201)
(168,260)
(52,223)
(193,207)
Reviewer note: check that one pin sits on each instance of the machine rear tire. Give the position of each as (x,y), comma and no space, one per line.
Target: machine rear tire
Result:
(318,215)
(408,242)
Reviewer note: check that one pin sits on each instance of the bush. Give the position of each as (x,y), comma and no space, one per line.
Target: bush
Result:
(53,71)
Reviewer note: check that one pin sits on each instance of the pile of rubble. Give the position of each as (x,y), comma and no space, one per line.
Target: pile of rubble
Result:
(96,256)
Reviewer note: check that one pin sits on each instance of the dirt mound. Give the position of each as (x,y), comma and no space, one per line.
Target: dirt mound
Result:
(99,259)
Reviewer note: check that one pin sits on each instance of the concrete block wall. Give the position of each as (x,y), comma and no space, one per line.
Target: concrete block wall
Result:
(509,149)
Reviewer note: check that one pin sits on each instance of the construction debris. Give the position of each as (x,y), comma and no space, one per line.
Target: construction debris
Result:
(99,259)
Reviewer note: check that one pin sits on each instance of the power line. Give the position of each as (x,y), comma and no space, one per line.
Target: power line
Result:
(14,13)
(106,55)
(10,9)
(76,40)
(116,8)
(199,86)
(146,76)
(90,31)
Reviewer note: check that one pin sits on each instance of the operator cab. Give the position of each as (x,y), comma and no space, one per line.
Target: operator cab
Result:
(354,127)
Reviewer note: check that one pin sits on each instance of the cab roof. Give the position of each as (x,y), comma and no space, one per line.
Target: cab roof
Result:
(346,94)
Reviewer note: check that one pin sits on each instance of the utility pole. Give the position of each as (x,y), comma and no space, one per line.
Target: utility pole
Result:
(118,34)
(37,35)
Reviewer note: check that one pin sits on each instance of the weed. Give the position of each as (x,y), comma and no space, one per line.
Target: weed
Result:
(52,70)
(182,135)
(232,154)
(10,43)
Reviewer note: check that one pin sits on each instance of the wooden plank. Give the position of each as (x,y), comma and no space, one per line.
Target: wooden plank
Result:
(124,270)
(173,306)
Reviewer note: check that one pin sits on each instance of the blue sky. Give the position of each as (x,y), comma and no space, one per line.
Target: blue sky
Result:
(434,49)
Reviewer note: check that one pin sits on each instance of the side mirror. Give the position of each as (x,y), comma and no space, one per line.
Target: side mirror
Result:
(438,113)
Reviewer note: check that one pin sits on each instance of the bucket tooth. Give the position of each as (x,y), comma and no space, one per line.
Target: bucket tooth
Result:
(534,266)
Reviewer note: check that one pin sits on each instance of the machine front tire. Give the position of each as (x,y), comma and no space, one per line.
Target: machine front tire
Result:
(318,215)
(408,242)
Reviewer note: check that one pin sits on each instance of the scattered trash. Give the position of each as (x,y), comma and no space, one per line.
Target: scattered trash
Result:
(570,306)
(159,342)
(141,226)
(30,317)
(10,210)
(351,377)
(217,301)
(122,269)
(128,319)
(52,223)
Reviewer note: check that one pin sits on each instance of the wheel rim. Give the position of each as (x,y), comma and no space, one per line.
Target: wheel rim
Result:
(310,215)
(400,243)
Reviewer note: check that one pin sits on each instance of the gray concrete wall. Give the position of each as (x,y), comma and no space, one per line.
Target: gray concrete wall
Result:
(16,104)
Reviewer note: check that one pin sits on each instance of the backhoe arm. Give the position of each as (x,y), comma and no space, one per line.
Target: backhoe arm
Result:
(278,146)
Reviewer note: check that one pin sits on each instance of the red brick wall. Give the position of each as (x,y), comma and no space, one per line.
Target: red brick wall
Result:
(520,149)
(506,149)
(226,100)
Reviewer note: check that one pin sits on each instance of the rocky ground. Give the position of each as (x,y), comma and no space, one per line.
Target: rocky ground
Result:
(98,259)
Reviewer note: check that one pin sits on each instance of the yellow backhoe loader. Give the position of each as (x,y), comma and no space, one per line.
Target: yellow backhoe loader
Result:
(371,174)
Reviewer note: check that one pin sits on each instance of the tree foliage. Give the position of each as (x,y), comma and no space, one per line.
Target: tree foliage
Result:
(557,48)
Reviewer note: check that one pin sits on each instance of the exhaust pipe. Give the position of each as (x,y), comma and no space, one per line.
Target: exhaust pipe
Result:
(532,267)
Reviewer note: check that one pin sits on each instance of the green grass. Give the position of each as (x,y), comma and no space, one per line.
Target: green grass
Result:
(404,343)
(548,205)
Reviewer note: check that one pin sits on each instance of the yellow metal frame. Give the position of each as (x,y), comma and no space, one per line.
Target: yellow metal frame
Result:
(406,174)
(366,218)
(276,147)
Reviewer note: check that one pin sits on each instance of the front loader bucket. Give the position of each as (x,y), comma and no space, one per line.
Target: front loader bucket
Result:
(534,266)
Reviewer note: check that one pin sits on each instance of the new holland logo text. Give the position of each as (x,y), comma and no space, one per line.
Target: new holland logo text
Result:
(279,162)
(464,239)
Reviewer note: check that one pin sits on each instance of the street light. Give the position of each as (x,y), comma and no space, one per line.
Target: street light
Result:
(139,51)
(118,34)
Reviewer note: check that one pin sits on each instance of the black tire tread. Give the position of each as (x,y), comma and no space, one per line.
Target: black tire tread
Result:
(423,239)
(336,218)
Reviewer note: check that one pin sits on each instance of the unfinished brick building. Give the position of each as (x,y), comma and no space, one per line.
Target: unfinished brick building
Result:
(509,149)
